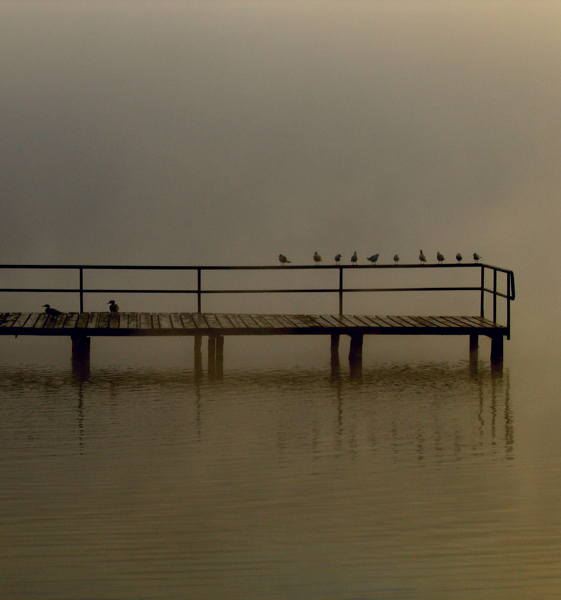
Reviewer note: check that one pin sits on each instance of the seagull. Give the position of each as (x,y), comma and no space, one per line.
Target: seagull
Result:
(459,257)
(283,260)
(354,258)
(317,258)
(439,258)
(396,259)
(422,257)
(113,306)
(373,258)
(53,312)
(476,257)
(338,258)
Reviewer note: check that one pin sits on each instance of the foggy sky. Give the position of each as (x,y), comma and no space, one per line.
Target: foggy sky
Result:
(227,132)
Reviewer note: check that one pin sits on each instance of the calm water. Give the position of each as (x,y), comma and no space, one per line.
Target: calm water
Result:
(420,479)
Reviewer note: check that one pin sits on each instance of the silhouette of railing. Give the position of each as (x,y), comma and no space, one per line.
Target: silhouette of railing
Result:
(507,293)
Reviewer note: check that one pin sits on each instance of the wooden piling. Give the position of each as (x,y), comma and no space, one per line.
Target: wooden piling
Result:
(355,351)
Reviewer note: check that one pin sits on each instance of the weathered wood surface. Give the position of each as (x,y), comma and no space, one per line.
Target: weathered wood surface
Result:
(189,324)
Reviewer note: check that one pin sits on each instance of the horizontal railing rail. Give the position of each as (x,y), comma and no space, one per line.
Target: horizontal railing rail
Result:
(508,294)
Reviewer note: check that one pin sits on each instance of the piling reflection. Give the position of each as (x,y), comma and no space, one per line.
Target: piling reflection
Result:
(430,410)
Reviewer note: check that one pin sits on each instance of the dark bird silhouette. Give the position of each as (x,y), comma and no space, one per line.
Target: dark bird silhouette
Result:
(476,257)
(422,257)
(396,259)
(459,257)
(354,258)
(317,258)
(283,260)
(53,312)
(338,259)
(439,258)
(113,306)
(373,258)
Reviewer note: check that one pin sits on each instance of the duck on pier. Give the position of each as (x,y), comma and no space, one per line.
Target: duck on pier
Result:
(53,312)
(113,306)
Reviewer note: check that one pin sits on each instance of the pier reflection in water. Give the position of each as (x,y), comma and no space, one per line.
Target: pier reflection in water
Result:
(152,483)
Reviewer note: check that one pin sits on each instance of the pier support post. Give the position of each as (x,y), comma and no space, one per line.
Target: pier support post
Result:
(355,352)
(219,355)
(335,355)
(335,338)
(473,343)
(355,355)
(211,355)
(81,357)
(81,347)
(497,349)
(198,354)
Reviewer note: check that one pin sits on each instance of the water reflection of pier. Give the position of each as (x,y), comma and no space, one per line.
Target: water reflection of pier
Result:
(432,411)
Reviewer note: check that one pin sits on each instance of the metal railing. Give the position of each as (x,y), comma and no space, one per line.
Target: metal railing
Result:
(508,294)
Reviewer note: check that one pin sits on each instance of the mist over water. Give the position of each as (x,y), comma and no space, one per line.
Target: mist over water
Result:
(225,133)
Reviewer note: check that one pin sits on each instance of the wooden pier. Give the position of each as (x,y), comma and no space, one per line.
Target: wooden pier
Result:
(81,326)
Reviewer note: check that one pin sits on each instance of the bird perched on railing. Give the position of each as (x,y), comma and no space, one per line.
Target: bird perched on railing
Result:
(439,258)
(283,260)
(113,306)
(459,257)
(338,258)
(373,258)
(476,257)
(317,258)
(354,258)
(53,312)
(422,257)
(396,259)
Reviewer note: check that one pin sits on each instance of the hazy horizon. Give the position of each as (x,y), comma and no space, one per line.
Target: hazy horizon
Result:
(225,133)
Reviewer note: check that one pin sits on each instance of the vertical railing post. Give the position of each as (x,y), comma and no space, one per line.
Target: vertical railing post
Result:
(81,290)
(494,295)
(199,299)
(508,305)
(340,290)
(482,299)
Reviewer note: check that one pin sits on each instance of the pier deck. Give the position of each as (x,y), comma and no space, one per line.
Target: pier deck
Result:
(220,324)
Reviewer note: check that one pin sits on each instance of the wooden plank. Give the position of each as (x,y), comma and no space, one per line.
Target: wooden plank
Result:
(103,321)
(2,317)
(21,320)
(296,321)
(333,320)
(145,321)
(41,320)
(261,321)
(426,321)
(443,322)
(212,321)
(347,320)
(10,320)
(124,320)
(92,320)
(187,320)
(274,323)
(200,321)
(224,321)
(356,321)
(286,323)
(319,321)
(176,321)
(114,320)
(133,321)
(387,322)
(165,321)
(403,321)
(155,321)
(71,321)
(372,321)
(249,322)
(30,323)
(237,323)
(82,322)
